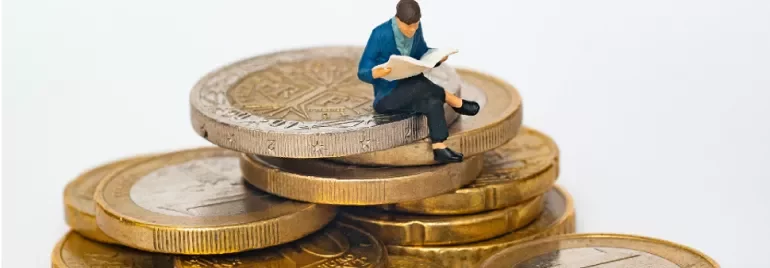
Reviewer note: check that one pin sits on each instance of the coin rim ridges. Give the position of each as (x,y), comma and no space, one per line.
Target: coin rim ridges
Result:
(469,257)
(285,184)
(242,139)
(206,240)
(525,213)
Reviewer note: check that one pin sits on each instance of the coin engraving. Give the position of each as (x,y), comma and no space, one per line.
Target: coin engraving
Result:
(315,89)
(336,246)
(297,90)
(76,251)
(302,96)
(599,257)
(202,187)
(524,156)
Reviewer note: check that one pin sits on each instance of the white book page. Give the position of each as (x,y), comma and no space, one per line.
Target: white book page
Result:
(405,66)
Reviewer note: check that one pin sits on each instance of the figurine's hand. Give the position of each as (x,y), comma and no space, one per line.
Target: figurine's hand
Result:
(380,72)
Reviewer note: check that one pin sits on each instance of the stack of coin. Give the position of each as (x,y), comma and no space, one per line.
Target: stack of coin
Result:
(513,199)
(294,130)
(306,174)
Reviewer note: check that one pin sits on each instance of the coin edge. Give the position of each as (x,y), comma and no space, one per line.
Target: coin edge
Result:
(110,221)
(622,236)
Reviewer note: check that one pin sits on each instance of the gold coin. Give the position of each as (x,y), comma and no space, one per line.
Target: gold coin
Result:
(558,217)
(195,202)
(411,262)
(497,122)
(79,206)
(519,170)
(600,251)
(325,182)
(423,230)
(337,245)
(303,103)
(75,251)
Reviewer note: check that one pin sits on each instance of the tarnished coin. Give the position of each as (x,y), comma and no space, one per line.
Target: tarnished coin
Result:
(79,205)
(195,202)
(306,103)
(422,230)
(325,182)
(337,245)
(600,251)
(411,262)
(521,169)
(497,122)
(75,251)
(558,217)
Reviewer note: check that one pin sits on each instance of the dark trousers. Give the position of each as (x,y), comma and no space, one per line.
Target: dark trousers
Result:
(417,94)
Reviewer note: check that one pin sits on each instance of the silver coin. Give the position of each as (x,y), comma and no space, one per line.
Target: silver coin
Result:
(306,103)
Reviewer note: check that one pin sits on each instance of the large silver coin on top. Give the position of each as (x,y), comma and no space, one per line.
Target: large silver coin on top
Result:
(306,103)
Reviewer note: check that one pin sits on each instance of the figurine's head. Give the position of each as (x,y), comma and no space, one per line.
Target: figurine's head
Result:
(408,17)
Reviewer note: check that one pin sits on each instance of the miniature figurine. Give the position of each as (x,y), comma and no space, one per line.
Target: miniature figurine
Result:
(402,35)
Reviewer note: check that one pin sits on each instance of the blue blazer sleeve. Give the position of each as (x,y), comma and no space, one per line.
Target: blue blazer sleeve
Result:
(368,59)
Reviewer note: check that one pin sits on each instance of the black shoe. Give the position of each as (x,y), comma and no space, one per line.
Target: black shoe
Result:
(460,155)
(445,156)
(468,108)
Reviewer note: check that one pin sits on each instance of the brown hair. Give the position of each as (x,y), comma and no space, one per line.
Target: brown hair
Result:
(408,11)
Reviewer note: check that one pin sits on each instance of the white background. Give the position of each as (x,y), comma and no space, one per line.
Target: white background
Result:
(660,107)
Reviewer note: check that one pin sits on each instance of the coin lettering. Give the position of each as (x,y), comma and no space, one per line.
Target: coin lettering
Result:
(318,148)
(271,145)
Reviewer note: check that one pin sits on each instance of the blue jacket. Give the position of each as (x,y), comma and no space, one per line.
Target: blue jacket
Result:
(378,49)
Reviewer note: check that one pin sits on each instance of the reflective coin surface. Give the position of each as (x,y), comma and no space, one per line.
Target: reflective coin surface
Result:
(411,262)
(326,182)
(196,202)
(497,122)
(337,245)
(420,230)
(521,169)
(75,251)
(304,103)
(558,217)
(79,205)
(600,251)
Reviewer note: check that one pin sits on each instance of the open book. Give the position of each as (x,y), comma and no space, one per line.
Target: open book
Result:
(405,66)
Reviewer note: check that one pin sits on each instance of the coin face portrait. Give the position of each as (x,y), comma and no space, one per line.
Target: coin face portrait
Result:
(206,187)
(598,257)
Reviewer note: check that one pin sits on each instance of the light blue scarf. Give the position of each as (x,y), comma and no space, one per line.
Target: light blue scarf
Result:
(403,43)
